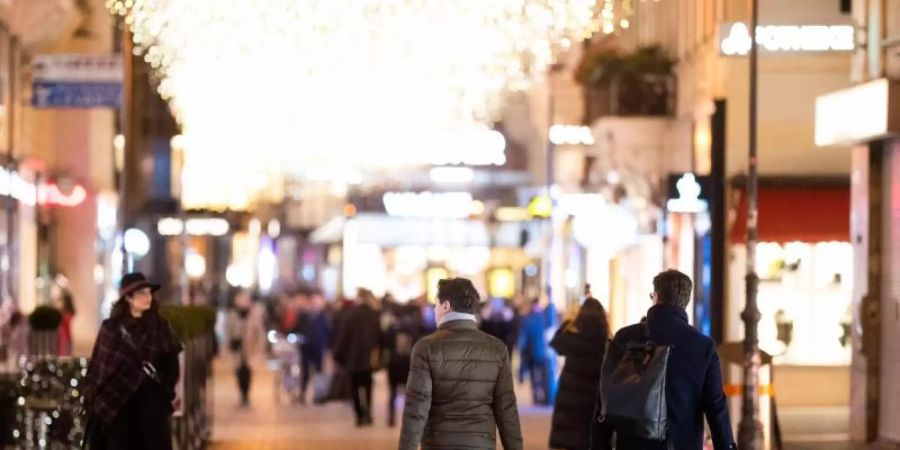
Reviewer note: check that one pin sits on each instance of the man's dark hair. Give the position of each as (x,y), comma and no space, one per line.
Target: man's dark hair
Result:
(460,293)
(673,288)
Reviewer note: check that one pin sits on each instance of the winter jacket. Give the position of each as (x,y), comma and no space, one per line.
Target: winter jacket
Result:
(583,343)
(115,370)
(460,392)
(358,344)
(693,383)
(246,334)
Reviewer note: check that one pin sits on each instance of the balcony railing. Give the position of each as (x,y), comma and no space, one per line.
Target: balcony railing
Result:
(636,95)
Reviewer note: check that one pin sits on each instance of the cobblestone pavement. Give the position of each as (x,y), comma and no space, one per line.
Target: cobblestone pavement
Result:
(270,425)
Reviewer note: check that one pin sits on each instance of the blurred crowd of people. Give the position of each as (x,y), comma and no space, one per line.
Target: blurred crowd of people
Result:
(337,346)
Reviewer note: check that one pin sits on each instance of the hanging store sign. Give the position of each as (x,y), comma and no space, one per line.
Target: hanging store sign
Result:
(687,194)
(861,113)
(77,81)
(735,38)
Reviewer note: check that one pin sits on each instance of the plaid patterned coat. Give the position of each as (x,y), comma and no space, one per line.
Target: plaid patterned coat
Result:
(115,372)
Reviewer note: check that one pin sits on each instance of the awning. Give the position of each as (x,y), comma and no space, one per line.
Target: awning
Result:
(797,213)
(388,231)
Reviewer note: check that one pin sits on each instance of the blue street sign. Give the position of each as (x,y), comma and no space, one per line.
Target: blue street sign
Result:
(77,81)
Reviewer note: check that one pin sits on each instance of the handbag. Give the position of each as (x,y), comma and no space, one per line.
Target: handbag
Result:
(147,366)
(322,383)
(633,389)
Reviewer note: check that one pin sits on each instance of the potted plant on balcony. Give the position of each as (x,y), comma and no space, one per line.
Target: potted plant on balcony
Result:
(623,83)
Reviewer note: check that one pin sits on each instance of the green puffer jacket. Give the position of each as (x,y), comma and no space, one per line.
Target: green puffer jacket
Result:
(460,392)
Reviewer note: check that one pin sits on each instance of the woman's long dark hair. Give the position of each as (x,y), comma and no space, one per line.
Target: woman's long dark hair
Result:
(591,320)
(122,309)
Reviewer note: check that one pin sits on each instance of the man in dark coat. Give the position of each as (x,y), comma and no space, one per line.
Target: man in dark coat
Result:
(583,343)
(357,349)
(402,327)
(313,326)
(460,389)
(497,321)
(693,377)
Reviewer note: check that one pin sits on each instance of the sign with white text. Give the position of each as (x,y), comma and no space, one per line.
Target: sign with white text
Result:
(735,38)
(77,81)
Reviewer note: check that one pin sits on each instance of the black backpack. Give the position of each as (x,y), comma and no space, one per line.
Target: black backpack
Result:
(633,389)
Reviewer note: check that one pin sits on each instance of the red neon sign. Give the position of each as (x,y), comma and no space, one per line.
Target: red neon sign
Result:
(49,194)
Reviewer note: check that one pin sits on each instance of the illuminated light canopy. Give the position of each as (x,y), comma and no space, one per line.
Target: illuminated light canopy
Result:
(451,175)
(571,135)
(446,205)
(263,86)
(212,226)
(787,38)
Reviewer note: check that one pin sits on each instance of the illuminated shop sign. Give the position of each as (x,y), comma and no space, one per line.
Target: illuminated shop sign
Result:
(735,38)
(571,135)
(688,195)
(444,205)
(857,114)
(210,226)
(46,193)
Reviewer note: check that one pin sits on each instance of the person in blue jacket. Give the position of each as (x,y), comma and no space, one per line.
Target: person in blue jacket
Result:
(537,354)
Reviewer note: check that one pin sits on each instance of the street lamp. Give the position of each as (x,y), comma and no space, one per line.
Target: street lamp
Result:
(750,431)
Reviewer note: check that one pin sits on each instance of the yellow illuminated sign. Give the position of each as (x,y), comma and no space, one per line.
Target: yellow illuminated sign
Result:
(540,206)
(502,283)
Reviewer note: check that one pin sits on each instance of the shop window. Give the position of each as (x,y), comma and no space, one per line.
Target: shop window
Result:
(804,299)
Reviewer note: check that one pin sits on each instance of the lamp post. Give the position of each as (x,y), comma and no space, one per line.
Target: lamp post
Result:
(750,431)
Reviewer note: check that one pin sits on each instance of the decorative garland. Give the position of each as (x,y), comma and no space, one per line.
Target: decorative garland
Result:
(48,407)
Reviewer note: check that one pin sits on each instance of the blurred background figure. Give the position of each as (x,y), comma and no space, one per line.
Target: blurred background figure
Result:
(65,303)
(245,331)
(538,360)
(314,336)
(582,340)
(498,320)
(358,350)
(401,325)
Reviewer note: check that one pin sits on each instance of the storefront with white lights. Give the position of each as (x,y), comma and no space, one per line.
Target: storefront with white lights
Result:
(607,246)
(866,117)
(193,251)
(421,237)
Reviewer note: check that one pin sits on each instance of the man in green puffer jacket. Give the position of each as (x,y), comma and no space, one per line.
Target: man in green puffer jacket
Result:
(460,388)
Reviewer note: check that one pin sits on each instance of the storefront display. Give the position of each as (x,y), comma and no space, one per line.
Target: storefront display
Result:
(805,263)
(804,299)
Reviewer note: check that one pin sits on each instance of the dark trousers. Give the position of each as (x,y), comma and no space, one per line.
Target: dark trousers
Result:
(398,373)
(392,403)
(143,423)
(244,377)
(361,385)
(310,363)
(541,383)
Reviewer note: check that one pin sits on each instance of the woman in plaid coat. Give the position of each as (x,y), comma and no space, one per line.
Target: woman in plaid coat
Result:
(132,373)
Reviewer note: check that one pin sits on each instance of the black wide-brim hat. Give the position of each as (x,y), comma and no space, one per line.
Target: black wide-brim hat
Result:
(133,282)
